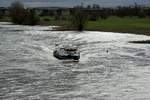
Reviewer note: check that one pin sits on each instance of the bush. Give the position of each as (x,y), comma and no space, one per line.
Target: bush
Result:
(93,17)
(1,15)
(17,12)
(46,19)
(78,20)
(32,18)
(20,15)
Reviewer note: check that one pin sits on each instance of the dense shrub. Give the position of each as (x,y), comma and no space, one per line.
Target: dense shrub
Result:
(46,19)
(17,12)
(20,15)
(32,18)
(1,14)
(93,17)
(78,20)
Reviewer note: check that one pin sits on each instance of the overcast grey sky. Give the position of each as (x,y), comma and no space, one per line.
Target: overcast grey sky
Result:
(70,3)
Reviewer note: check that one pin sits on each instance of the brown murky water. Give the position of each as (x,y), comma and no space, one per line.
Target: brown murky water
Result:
(28,70)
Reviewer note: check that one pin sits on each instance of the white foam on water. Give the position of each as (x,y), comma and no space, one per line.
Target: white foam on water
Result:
(110,68)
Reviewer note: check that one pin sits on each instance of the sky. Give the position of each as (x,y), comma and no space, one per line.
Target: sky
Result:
(71,3)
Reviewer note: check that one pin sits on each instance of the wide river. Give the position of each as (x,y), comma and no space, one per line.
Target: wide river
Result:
(28,70)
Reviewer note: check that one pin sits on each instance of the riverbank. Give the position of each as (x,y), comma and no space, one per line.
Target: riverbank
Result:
(5,19)
(126,25)
(134,25)
(115,24)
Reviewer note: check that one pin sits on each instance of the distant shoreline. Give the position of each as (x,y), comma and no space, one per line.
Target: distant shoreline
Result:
(134,25)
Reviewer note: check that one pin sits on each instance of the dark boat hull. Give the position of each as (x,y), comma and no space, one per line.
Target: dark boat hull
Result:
(55,54)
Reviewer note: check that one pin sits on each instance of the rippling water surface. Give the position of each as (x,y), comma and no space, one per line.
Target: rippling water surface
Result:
(28,70)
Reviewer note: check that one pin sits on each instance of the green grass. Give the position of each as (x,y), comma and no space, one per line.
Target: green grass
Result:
(112,24)
(126,24)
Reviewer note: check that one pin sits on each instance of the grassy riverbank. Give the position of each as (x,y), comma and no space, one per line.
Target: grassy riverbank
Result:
(112,24)
(127,24)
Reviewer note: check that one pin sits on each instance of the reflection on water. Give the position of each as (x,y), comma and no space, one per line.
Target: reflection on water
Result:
(110,68)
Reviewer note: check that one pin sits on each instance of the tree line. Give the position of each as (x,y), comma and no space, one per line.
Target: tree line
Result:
(78,15)
(95,12)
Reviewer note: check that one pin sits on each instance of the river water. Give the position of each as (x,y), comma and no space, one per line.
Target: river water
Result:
(28,70)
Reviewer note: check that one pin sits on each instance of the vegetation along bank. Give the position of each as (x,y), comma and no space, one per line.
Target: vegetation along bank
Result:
(132,19)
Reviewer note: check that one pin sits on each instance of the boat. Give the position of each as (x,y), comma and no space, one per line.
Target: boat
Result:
(66,52)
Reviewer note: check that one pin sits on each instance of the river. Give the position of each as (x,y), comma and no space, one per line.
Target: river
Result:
(110,67)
